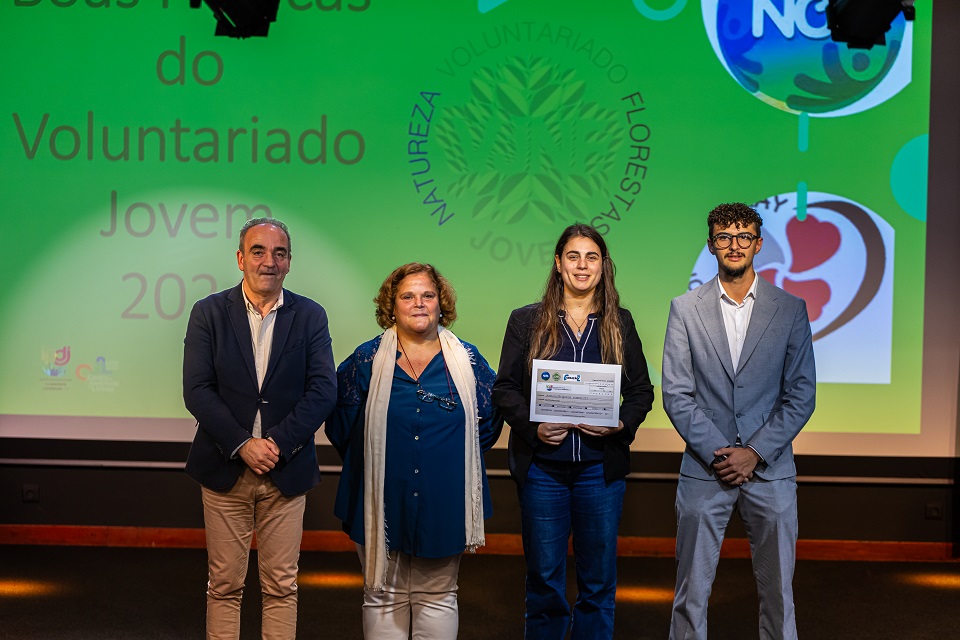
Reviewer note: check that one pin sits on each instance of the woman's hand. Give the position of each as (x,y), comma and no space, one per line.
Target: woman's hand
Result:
(600,431)
(553,433)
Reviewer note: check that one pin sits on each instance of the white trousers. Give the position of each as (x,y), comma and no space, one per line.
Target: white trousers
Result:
(418,601)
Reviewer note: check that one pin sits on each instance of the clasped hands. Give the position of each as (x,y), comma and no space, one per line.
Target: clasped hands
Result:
(553,433)
(737,466)
(260,454)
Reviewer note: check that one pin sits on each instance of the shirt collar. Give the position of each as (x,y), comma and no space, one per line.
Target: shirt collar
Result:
(752,293)
(251,307)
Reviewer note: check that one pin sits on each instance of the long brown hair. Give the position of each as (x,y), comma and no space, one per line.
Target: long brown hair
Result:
(545,339)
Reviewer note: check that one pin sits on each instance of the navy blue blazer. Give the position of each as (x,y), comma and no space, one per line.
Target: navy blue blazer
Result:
(220,389)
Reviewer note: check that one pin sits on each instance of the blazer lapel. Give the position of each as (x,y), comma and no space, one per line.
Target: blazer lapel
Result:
(764,308)
(708,308)
(237,310)
(281,331)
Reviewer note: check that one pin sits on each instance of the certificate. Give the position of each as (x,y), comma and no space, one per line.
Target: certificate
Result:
(577,392)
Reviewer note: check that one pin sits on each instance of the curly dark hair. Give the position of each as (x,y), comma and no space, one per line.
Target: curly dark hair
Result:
(387,296)
(737,213)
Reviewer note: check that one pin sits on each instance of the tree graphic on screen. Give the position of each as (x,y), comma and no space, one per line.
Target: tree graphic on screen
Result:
(528,143)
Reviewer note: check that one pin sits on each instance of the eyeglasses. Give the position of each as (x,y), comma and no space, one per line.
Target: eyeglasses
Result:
(445,403)
(724,240)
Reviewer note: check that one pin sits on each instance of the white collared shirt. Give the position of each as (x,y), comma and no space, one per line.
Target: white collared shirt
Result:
(261,333)
(736,318)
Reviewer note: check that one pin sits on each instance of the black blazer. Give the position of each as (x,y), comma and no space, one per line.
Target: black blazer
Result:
(511,395)
(220,389)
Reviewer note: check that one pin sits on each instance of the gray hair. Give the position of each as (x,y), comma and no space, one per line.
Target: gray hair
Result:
(256,221)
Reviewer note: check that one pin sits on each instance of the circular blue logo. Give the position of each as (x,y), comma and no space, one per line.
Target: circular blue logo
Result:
(545,375)
(781,52)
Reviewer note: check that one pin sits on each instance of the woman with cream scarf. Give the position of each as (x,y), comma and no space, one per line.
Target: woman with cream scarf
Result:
(413,418)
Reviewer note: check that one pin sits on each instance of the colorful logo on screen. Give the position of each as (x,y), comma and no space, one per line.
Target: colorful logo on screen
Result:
(99,376)
(53,361)
(98,368)
(545,375)
(839,259)
(781,52)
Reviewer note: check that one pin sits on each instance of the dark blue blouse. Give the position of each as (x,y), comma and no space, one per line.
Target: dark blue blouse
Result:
(424,474)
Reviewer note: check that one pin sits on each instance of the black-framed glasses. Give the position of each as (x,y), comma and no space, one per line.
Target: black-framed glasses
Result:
(724,240)
(448,404)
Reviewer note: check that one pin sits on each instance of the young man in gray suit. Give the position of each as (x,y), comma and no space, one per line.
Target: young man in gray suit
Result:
(739,383)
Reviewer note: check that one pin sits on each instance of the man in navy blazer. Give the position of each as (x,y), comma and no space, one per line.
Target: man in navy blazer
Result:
(259,377)
(739,383)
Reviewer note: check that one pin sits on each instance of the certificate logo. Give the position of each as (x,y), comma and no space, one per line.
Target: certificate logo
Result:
(839,259)
(556,377)
(545,375)
(571,376)
(781,52)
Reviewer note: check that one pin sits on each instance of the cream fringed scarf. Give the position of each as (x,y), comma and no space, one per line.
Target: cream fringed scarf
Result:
(375,441)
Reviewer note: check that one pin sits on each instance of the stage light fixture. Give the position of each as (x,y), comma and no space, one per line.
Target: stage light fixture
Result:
(862,23)
(241,18)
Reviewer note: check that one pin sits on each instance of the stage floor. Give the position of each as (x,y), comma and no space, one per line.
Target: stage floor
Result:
(93,593)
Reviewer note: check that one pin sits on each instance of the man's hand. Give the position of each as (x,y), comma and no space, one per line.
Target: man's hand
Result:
(738,466)
(260,454)
(553,433)
(600,431)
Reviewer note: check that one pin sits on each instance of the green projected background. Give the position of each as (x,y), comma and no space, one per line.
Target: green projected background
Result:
(134,144)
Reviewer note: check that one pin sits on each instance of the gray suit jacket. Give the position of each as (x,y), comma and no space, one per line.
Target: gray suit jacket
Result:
(767,401)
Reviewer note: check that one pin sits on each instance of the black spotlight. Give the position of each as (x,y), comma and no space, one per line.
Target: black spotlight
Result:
(863,23)
(241,18)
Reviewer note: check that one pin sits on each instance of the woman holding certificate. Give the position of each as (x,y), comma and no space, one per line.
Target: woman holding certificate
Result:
(413,418)
(571,474)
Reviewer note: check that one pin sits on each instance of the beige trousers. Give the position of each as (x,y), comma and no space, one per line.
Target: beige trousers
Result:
(419,600)
(230,518)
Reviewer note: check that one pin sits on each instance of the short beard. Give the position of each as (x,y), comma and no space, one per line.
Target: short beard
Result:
(734,273)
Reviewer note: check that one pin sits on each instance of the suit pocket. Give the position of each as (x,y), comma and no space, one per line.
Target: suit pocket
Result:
(765,417)
(296,346)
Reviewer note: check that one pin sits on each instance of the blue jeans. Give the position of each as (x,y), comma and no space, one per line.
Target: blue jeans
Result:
(558,498)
